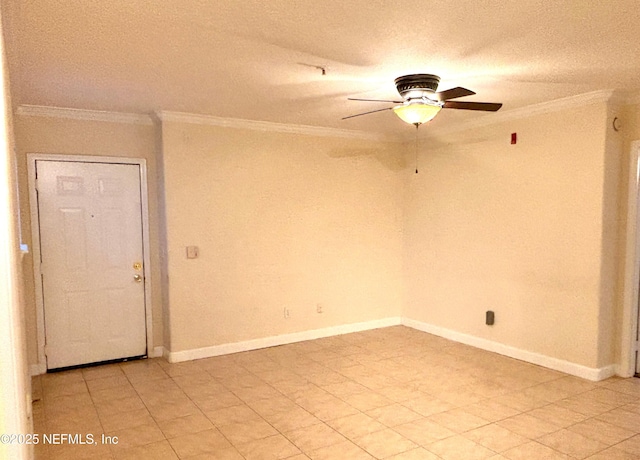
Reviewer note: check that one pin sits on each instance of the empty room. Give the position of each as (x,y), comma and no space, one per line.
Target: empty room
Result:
(319,230)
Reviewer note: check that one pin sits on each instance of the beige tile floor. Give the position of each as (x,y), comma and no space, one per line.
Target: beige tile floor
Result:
(392,393)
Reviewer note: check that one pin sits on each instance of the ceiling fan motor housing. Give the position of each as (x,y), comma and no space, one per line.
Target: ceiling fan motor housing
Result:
(417,85)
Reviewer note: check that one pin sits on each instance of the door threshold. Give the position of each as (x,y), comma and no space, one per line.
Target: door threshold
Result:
(100,363)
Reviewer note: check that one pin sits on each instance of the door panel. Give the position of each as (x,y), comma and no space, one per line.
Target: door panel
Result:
(90,237)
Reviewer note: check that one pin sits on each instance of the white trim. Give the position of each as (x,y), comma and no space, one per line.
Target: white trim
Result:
(37,275)
(556,105)
(82,114)
(517,353)
(35,238)
(227,348)
(192,118)
(210,120)
(146,247)
(200,119)
(630,293)
(594,374)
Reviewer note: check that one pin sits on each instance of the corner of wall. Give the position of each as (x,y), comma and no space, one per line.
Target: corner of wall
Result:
(162,232)
(585,372)
(611,276)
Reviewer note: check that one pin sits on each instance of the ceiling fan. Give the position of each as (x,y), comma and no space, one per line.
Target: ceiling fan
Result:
(421,103)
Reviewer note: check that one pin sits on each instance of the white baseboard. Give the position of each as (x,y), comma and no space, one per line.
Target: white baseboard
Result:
(594,374)
(578,370)
(227,348)
(37,369)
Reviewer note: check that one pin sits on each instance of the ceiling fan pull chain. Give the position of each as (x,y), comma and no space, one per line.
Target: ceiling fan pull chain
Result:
(416,145)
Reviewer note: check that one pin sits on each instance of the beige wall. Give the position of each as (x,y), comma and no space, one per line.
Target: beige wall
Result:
(81,137)
(282,221)
(533,231)
(15,385)
(517,229)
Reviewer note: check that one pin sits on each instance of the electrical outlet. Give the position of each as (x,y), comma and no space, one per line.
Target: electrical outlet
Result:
(287,313)
(319,308)
(490,318)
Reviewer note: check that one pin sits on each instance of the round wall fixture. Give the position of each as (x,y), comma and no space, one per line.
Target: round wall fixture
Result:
(617,124)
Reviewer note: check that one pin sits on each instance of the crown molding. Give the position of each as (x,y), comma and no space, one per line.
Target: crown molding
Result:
(541,108)
(82,114)
(181,117)
(238,123)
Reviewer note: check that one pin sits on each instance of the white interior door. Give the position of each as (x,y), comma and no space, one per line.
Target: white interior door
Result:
(92,261)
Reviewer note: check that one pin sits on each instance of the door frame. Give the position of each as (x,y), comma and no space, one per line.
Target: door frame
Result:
(630,317)
(35,240)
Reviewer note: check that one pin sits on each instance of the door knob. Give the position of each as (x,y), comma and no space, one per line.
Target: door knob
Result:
(137,278)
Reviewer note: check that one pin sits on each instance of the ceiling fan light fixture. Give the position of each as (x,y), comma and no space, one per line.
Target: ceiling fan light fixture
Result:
(422,101)
(417,113)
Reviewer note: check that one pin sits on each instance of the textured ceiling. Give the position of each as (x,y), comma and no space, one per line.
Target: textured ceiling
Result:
(254,59)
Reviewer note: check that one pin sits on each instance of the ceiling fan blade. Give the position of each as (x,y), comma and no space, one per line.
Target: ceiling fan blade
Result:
(454,93)
(367,113)
(483,106)
(374,100)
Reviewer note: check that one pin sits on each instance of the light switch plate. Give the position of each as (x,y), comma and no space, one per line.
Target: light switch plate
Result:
(192,252)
